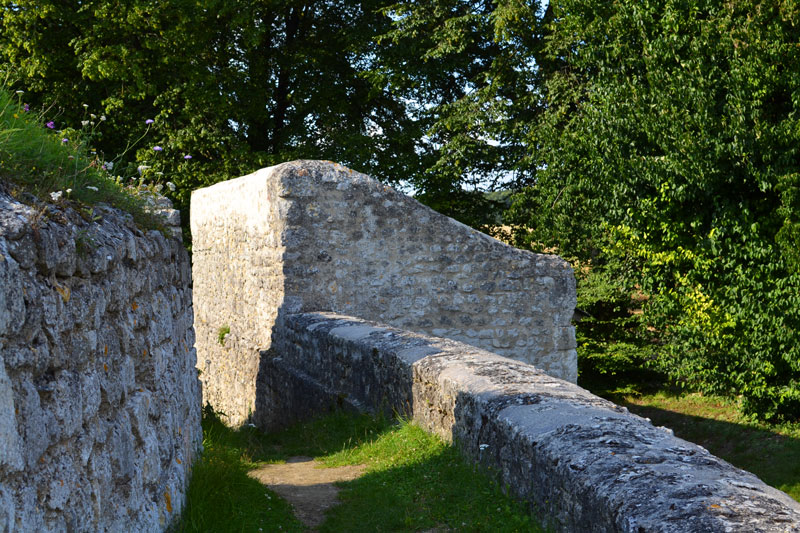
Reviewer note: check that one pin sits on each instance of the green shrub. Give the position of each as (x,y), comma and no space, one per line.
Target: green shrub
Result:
(669,154)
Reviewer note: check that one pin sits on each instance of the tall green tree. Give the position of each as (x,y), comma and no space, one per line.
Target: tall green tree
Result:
(472,71)
(669,153)
(235,85)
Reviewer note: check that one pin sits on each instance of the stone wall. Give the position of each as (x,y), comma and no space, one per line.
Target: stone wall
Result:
(314,236)
(582,463)
(99,396)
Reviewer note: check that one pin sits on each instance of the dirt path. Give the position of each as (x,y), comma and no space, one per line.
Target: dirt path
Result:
(308,487)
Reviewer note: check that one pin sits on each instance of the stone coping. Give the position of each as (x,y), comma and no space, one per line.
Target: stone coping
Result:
(581,463)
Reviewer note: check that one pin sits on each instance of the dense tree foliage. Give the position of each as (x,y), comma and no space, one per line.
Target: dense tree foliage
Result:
(670,155)
(472,70)
(656,141)
(434,94)
(236,85)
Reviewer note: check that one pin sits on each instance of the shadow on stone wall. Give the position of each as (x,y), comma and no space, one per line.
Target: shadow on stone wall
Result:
(315,236)
(294,385)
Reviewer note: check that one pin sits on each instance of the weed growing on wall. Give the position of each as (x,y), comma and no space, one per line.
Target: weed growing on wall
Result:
(222,334)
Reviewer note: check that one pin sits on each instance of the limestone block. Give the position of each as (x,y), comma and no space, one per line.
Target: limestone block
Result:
(90,393)
(100,474)
(10,442)
(62,480)
(34,432)
(120,448)
(12,306)
(7,514)
(64,405)
(23,251)
(14,218)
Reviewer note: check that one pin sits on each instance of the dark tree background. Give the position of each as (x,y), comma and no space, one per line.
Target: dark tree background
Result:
(655,143)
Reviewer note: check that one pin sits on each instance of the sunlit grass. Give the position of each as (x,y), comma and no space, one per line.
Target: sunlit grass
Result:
(416,482)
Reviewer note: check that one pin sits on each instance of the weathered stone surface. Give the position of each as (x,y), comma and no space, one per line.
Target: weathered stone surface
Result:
(315,236)
(10,442)
(99,396)
(581,462)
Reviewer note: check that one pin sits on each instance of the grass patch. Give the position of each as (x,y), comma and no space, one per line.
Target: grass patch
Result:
(416,482)
(221,496)
(413,481)
(58,165)
(772,452)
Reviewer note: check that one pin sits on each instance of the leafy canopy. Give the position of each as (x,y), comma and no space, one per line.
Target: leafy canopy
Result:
(669,156)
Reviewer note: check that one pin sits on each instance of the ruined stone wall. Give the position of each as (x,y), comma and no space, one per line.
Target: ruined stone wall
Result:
(582,463)
(99,396)
(315,236)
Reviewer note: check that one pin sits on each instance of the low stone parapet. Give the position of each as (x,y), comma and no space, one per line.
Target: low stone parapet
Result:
(580,462)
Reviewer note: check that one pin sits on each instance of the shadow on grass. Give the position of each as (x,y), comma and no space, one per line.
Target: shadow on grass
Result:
(414,481)
(329,434)
(440,493)
(222,497)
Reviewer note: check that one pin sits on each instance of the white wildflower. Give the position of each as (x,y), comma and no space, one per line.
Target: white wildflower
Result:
(92,188)
(141,169)
(171,186)
(56,196)
(84,123)
(102,118)
(92,115)
(108,165)
(20,92)
(85,106)
(69,191)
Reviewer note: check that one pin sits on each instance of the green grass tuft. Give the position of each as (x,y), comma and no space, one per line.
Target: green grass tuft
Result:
(222,333)
(38,161)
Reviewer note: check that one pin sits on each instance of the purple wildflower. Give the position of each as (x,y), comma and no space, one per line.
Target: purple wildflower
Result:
(64,140)
(149,121)
(51,125)
(187,157)
(26,108)
(157,148)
